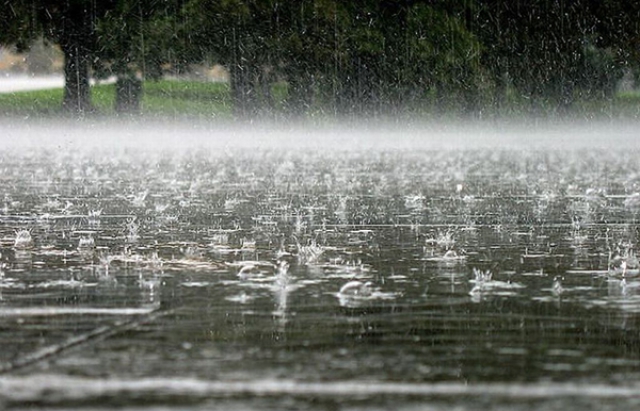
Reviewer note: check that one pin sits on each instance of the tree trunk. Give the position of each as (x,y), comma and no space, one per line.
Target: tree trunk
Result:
(243,93)
(77,98)
(128,95)
(499,96)
(300,93)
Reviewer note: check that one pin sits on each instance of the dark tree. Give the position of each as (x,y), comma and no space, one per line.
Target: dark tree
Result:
(71,25)
(135,41)
(618,26)
(67,23)
(347,57)
(238,34)
(552,52)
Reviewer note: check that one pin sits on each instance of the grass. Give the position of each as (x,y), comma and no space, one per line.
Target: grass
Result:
(32,103)
(187,98)
(167,98)
(208,100)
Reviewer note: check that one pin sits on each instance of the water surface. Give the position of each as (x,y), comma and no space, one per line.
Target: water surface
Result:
(210,279)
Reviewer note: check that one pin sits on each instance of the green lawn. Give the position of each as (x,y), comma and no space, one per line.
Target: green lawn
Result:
(31,103)
(190,98)
(208,100)
(160,98)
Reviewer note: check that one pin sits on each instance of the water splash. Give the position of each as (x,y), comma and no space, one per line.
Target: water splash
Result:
(23,240)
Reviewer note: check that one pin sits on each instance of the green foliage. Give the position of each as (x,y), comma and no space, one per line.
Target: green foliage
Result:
(353,57)
(137,38)
(552,53)
(442,54)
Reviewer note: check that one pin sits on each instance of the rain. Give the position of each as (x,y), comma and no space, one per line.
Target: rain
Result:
(317,205)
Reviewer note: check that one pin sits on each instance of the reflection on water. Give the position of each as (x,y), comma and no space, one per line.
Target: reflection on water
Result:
(250,272)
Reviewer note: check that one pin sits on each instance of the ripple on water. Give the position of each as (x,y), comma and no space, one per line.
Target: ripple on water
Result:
(64,388)
(215,226)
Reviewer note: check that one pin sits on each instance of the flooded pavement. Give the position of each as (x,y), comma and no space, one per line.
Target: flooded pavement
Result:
(319,279)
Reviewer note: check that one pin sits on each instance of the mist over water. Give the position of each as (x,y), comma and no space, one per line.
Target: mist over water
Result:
(179,135)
